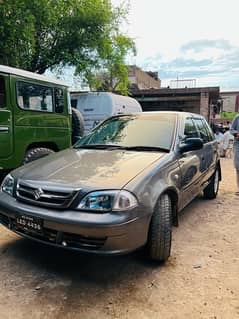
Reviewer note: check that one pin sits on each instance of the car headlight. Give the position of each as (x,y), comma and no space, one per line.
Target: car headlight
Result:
(7,185)
(108,200)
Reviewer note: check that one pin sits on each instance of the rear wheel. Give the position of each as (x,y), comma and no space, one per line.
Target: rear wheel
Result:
(36,153)
(160,232)
(210,192)
(77,125)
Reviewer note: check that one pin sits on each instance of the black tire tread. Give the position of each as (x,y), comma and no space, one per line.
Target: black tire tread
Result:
(160,234)
(77,125)
(36,153)
(209,192)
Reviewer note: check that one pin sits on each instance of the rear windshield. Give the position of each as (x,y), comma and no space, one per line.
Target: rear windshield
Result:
(155,130)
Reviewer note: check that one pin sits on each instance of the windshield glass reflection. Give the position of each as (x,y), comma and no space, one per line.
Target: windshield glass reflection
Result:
(151,130)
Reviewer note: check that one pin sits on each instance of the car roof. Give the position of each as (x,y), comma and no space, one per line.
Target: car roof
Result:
(176,113)
(30,75)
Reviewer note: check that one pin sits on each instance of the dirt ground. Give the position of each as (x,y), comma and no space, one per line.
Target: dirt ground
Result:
(200,280)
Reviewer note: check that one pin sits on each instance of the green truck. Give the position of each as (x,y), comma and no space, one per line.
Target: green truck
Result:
(36,118)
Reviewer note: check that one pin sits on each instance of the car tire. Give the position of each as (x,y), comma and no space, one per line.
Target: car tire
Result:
(160,232)
(210,192)
(77,125)
(36,153)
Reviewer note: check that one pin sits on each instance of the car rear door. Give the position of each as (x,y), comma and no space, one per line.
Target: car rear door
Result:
(6,136)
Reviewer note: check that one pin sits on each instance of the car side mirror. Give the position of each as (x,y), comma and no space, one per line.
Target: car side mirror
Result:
(190,144)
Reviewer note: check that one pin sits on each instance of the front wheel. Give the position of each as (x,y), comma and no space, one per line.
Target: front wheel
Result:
(77,126)
(210,192)
(36,153)
(160,232)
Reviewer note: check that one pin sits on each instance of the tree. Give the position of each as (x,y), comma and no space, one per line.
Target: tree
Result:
(37,35)
(112,73)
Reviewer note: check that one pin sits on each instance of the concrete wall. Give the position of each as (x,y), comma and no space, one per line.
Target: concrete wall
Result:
(142,80)
(230,101)
(204,105)
(195,100)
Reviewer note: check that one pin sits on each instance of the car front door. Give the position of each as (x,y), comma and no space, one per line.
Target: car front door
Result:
(209,151)
(189,163)
(6,144)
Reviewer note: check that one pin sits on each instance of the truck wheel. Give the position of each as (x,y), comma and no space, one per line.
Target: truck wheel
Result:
(210,192)
(36,153)
(160,232)
(77,125)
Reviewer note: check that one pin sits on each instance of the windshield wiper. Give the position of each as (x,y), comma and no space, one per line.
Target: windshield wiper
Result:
(98,146)
(146,148)
(128,148)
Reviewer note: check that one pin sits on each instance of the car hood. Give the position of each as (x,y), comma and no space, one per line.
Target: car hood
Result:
(84,168)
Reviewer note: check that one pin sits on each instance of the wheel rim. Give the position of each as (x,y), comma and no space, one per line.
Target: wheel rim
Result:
(216,181)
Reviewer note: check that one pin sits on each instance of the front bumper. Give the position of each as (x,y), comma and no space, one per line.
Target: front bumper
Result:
(107,233)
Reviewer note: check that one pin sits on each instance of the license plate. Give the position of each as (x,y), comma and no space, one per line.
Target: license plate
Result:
(29,223)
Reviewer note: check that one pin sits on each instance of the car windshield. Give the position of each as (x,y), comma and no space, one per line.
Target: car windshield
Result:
(137,132)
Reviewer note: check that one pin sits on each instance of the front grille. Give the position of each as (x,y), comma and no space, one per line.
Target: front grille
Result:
(42,196)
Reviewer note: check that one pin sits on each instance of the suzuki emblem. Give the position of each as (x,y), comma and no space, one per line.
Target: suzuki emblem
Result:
(37,193)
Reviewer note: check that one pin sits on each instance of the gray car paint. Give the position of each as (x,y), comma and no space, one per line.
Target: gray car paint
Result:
(146,174)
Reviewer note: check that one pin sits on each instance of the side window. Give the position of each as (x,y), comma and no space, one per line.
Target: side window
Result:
(209,131)
(190,129)
(202,130)
(34,97)
(2,92)
(59,100)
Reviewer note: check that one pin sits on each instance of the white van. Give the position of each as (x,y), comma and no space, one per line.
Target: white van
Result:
(97,106)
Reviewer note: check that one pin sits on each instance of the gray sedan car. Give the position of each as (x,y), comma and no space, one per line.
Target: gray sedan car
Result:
(119,188)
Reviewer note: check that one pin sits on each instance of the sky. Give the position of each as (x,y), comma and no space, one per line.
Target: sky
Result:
(186,39)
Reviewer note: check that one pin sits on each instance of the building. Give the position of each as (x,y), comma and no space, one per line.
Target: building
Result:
(230,101)
(196,100)
(143,80)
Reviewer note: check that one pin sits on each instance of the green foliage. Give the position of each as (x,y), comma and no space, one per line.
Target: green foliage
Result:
(112,75)
(228,115)
(44,34)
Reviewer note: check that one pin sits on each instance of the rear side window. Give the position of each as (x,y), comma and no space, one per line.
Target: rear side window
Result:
(34,97)
(59,100)
(2,93)
(203,131)
(190,129)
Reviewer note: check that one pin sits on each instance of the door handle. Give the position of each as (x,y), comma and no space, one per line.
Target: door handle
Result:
(4,129)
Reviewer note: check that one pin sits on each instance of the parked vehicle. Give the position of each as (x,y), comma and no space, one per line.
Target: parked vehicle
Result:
(119,188)
(35,117)
(98,106)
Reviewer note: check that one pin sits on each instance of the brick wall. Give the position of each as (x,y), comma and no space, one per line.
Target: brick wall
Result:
(142,79)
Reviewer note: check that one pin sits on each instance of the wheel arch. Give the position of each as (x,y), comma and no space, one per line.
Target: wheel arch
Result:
(52,146)
(173,195)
